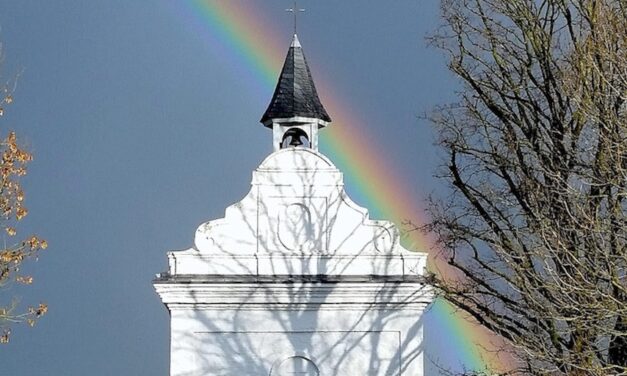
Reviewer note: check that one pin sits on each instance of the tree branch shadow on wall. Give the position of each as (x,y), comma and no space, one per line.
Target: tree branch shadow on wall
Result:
(304,305)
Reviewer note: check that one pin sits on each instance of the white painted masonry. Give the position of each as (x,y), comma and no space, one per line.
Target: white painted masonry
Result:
(295,280)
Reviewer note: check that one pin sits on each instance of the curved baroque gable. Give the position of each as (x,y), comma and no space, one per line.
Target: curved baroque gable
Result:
(297,203)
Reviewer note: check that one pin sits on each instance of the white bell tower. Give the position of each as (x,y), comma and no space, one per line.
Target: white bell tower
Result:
(296,279)
(295,113)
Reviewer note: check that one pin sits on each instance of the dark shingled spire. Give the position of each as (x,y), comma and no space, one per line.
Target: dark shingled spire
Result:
(295,94)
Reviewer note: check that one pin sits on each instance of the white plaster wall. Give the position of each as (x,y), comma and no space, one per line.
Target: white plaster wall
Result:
(297,207)
(340,343)
(296,221)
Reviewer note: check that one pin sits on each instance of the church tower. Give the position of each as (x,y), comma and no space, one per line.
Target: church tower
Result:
(296,279)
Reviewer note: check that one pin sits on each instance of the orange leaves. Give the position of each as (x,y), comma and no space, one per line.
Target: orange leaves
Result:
(13,161)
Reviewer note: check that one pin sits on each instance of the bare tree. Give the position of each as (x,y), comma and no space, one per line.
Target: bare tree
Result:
(14,159)
(536,157)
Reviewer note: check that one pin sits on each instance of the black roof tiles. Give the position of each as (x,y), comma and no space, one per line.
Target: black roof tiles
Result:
(295,94)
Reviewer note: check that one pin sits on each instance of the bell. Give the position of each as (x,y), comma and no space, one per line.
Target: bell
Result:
(295,140)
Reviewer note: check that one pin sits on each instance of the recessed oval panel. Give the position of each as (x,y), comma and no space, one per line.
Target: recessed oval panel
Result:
(295,230)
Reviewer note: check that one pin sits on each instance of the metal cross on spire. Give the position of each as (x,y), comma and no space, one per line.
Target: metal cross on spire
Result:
(295,10)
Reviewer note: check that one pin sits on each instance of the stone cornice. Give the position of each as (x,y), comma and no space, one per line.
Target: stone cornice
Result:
(401,264)
(201,292)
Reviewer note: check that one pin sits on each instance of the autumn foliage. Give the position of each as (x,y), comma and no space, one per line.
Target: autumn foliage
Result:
(14,252)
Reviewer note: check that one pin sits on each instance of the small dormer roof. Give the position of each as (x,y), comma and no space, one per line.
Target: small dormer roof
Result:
(295,95)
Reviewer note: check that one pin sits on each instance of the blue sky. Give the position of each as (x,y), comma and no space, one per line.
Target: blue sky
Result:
(141,131)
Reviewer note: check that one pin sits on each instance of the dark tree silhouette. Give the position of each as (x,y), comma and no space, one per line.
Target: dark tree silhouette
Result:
(536,157)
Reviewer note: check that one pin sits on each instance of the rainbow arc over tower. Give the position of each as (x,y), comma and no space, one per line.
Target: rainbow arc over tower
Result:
(240,32)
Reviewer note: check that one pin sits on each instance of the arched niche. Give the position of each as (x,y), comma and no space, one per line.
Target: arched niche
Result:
(295,365)
(295,137)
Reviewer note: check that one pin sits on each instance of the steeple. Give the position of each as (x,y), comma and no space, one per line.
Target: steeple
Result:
(295,103)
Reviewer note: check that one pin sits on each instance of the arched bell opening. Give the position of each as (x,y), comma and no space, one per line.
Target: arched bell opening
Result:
(295,137)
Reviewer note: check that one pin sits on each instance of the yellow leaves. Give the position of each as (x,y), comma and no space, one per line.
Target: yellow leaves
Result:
(24,279)
(13,165)
(20,213)
(7,158)
(11,256)
(30,318)
(39,311)
(13,161)
(42,309)
(35,243)
(6,172)
(25,157)
(6,257)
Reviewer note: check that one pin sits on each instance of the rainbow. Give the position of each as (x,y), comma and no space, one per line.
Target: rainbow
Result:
(256,50)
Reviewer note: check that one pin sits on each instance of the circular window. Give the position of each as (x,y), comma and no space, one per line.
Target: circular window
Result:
(295,366)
